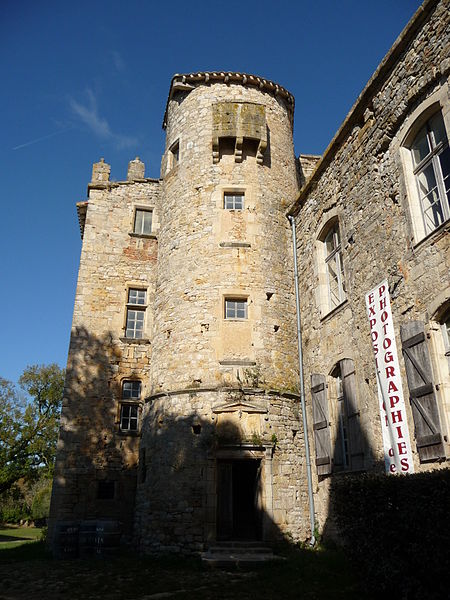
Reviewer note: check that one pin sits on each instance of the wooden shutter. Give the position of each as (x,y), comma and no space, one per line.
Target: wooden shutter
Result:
(425,412)
(355,437)
(321,424)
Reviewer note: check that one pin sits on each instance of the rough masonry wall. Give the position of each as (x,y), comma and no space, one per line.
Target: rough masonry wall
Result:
(91,447)
(184,435)
(363,185)
(207,253)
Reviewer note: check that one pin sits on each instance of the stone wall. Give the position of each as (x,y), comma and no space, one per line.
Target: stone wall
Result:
(361,184)
(207,253)
(186,434)
(91,447)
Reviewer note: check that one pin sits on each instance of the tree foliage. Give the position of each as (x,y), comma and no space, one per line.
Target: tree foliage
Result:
(29,418)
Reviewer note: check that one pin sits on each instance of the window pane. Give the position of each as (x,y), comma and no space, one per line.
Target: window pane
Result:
(331,241)
(233,201)
(444,162)
(135,323)
(131,389)
(138,221)
(436,125)
(420,147)
(137,296)
(235,309)
(147,224)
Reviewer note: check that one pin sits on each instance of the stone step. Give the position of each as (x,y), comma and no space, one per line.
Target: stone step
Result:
(239,550)
(237,554)
(237,543)
(239,560)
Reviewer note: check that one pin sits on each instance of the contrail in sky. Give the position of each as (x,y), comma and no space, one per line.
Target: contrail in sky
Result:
(44,137)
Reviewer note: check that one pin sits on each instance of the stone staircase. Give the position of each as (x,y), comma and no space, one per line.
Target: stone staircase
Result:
(237,554)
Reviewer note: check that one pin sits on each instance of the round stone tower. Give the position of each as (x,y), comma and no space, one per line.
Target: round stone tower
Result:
(221,440)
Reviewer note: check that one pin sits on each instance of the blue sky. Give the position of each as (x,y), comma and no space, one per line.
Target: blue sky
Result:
(82,80)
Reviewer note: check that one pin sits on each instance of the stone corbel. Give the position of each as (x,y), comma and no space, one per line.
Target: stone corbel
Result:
(238,149)
(260,153)
(215,150)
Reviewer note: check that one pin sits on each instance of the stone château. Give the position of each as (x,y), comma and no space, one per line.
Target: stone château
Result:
(182,421)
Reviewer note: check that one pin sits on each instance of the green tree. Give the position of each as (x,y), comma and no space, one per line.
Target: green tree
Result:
(29,419)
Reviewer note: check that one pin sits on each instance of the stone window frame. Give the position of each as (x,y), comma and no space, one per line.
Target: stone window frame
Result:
(135,307)
(438,101)
(329,222)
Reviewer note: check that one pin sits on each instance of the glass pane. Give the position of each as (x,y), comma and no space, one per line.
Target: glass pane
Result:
(138,222)
(436,125)
(147,222)
(444,161)
(427,181)
(140,296)
(330,242)
(420,147)
(132,295)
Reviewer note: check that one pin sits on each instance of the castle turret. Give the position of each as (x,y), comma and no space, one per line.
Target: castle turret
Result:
(222,410)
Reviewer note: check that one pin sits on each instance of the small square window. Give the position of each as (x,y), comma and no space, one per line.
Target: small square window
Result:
(235,309)
(137,296)
(131,390)
(129,417)
(142,222)
(106,489)
(233,201)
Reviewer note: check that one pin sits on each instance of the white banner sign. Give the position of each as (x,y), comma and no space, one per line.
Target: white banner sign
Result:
(397,448)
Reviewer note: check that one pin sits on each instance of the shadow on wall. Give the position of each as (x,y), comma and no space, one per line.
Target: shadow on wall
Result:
(200,481)
(180,484)
(96,465)
(395,528)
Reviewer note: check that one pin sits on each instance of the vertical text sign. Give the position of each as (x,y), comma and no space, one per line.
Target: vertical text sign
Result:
(397,448)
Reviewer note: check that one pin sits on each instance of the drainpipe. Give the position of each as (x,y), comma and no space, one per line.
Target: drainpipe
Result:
(302,385)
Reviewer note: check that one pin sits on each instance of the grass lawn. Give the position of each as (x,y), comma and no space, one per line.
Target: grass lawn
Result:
(29,572)
(13,537)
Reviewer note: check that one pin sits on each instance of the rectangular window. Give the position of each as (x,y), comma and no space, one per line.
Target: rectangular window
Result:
(135,316)
(235,309)
(105,489)
(137,296)
(431,161)
(174,156)
(131,390)
(142,222)
(233,201)
(129,417)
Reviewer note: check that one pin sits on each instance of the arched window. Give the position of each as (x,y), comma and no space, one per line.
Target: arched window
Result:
(334,267)
(330,267)
(430,164)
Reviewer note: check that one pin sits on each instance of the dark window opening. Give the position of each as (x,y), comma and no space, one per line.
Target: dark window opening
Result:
(106,489)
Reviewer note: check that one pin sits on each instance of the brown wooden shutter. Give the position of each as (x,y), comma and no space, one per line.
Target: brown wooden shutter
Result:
(421,392)
(321,424)
(355,437)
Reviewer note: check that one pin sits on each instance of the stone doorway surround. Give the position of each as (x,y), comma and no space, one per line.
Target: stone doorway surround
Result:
(244,419)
